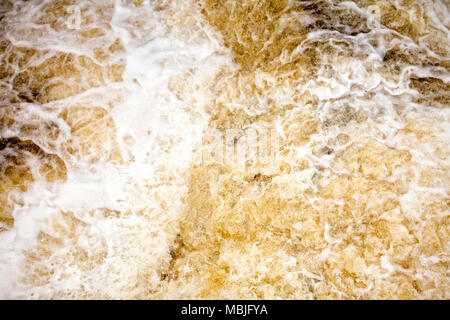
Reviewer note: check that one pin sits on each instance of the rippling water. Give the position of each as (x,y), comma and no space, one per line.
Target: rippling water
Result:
(224,149)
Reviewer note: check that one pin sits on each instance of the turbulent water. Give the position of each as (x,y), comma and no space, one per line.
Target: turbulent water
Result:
(224,149)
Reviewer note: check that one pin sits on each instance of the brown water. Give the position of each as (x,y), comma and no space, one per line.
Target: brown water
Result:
(224,149)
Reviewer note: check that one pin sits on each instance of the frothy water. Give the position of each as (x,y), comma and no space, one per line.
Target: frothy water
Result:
(223,149)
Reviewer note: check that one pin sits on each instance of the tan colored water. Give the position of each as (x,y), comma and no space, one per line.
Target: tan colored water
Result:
(224,149)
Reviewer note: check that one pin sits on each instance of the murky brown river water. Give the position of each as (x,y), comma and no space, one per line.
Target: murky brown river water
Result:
(224,149)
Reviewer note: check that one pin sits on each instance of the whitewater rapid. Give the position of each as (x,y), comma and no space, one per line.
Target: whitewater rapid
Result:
(219,149)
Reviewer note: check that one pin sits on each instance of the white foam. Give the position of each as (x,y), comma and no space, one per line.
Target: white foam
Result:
(164,130)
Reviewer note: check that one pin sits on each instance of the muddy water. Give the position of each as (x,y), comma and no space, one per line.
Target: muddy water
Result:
(224,149)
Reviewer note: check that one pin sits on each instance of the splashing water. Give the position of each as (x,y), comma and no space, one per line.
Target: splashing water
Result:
(224,149)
